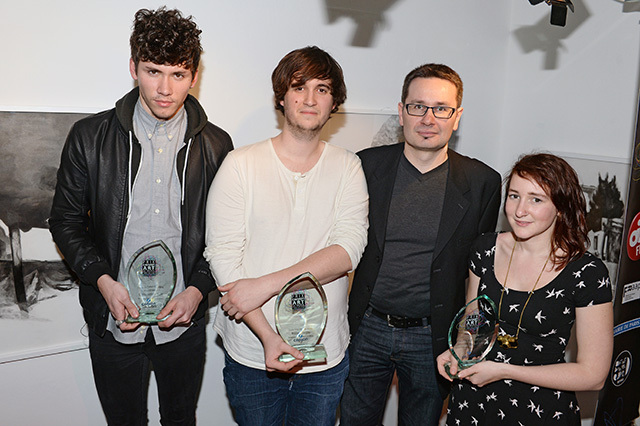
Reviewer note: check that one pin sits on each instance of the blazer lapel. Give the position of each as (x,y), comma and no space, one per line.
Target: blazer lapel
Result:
(455,204)
(380,191)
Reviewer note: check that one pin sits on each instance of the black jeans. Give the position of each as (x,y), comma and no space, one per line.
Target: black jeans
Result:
(121,374)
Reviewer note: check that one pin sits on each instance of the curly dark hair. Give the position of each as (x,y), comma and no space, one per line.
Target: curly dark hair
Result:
(560,182)
(433,71)
(302,65)
(165,37)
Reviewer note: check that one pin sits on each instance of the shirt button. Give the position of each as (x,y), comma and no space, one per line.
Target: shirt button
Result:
(156,211)
(160,150)
(158,180)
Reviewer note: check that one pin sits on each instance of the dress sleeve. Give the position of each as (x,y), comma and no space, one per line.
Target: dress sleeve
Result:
(482,253)
(592,285)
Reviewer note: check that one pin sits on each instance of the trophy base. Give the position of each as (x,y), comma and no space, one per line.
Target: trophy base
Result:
(310,353)
(461,366)
(148,318)
(452,376)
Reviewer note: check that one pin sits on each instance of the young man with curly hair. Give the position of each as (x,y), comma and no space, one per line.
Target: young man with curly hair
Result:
(128,176)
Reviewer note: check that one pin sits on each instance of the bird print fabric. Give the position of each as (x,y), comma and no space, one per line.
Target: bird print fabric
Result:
(544,334)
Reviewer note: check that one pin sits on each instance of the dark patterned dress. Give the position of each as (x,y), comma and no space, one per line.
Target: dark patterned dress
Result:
(544,334)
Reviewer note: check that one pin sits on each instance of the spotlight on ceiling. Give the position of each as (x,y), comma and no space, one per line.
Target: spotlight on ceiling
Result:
(558,10)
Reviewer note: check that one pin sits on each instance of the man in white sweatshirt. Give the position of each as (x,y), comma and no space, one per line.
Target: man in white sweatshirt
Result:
(279,208)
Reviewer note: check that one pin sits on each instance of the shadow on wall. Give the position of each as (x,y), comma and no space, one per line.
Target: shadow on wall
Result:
(549,39)
(368,16)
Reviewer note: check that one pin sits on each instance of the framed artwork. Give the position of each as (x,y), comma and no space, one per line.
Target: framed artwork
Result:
(605,182)
(359,129)
(39,309)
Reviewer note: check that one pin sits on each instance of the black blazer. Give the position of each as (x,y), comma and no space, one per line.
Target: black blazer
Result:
(471,203)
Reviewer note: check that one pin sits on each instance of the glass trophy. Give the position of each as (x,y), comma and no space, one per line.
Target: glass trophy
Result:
(150,279)
(473,333)
(301,316)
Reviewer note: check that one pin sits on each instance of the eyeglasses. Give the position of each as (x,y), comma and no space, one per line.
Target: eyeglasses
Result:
(440,111)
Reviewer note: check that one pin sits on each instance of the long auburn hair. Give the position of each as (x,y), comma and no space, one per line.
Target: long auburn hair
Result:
(560,182)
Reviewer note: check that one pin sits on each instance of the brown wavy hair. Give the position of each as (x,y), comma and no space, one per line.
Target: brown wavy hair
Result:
(433,71)
(165,37)
(560,182)
(302,65)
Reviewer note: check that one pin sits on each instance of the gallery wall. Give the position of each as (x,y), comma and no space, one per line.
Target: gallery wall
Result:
(571,89)
(76,59)
(528,86)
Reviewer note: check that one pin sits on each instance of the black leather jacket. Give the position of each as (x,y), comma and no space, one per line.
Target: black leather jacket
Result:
(100,160)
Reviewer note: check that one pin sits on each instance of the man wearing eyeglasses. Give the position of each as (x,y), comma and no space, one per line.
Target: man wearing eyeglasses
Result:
(427,204)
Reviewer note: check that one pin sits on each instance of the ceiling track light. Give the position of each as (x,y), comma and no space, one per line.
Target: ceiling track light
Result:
(558,10)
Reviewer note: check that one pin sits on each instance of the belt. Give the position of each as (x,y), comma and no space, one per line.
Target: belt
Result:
(401,322)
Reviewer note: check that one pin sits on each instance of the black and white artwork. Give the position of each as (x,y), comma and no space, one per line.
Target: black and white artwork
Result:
(605,183)
(39,311)
(359,129)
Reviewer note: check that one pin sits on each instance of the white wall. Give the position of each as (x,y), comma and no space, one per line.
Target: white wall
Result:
(58,390)
(75,59)
(571,89)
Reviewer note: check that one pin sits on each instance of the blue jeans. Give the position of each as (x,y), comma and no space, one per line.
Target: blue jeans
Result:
(259,397)
(121,374)
(376,352)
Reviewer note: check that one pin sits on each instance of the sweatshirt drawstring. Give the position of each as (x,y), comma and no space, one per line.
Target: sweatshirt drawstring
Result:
(129,183)
(184,171)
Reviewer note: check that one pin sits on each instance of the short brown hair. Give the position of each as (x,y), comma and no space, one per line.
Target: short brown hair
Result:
(165,37)
(560,182)
(302,65)
(433,71)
